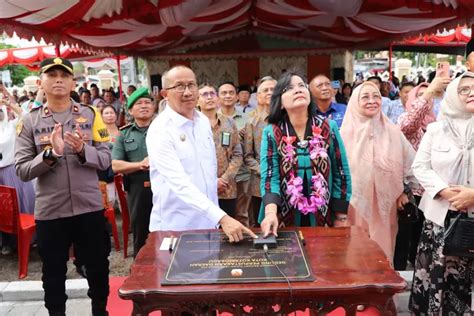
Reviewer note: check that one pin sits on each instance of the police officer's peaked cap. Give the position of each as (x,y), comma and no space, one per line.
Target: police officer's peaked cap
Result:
(49,63)
(138,94)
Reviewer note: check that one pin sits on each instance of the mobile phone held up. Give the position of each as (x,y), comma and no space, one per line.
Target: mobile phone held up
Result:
(336,84)
(442,69)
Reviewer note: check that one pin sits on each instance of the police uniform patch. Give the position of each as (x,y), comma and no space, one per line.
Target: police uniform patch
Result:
(19,127)
(81,120)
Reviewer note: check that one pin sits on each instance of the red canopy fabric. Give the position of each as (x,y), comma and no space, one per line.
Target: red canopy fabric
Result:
(445,42)
(143,27)
(460,35)
(33,55)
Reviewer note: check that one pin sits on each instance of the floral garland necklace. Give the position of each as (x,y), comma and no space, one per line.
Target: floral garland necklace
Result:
(317,197)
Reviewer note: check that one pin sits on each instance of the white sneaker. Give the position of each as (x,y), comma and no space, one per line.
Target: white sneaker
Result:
(7,250)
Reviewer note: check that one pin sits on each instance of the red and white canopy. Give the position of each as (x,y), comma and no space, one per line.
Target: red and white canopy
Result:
(160,27)
(32,55)
(447,41)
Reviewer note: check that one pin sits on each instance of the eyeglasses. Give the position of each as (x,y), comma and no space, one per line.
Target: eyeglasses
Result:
(181,87)
(266,90)
(291,88)
(209,94)
(464,91)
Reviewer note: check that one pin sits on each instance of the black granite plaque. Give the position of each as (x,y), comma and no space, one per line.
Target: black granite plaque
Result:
(208,258)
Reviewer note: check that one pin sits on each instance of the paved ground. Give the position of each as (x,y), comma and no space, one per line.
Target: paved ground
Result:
(74,307)
(118,265)
(25,298)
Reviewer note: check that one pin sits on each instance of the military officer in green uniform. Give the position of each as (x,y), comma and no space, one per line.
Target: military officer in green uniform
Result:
(130,157)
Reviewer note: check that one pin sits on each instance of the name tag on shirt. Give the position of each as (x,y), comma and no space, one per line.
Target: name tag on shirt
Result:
(225,139)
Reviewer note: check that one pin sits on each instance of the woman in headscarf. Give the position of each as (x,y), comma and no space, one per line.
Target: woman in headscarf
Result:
(380,158)
(413,122)
(305,176)
(443,165)
(99,104)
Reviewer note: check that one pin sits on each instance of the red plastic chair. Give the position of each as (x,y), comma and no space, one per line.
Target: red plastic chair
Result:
(109,214)
(14,222)
(124,209)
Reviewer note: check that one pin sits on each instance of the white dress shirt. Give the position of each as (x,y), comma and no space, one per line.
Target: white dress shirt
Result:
(183,173)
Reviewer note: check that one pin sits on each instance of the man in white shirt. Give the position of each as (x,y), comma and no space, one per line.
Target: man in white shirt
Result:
(183,166)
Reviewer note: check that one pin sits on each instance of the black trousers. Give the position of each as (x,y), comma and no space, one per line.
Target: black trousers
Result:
(255,204)
(88,235)
(408,237)
(140,203)
(228,205)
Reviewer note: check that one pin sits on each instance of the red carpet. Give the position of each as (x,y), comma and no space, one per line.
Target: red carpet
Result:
(118,307)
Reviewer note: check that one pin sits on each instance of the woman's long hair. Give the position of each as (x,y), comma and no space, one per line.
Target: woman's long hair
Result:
(277,113)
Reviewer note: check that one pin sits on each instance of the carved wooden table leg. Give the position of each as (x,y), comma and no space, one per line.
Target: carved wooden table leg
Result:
(390,308)
(137,310)
(351,310)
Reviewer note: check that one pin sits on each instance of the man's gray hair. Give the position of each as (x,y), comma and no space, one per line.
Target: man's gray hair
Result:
(164,77)
(266,78)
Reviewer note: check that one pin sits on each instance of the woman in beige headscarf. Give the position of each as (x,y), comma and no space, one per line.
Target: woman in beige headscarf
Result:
(444,166)
(380,158)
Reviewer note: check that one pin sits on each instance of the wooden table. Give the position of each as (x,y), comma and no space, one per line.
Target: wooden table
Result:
(349,268)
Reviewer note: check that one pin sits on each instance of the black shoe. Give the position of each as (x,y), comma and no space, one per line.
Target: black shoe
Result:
(57,313)
(99,308)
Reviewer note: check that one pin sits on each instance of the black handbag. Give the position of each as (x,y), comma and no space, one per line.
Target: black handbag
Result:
(459,237)
(409,213)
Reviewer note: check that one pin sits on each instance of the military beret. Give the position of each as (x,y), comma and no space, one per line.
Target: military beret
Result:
(49,63)
(138,94)
(470,47)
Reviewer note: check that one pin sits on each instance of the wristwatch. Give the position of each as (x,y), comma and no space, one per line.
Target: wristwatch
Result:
(49,155)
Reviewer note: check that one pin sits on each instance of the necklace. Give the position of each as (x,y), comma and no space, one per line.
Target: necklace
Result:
(302,142)
(317,197)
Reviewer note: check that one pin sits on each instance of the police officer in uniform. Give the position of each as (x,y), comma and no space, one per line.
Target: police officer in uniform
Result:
(63,143)
(130,157)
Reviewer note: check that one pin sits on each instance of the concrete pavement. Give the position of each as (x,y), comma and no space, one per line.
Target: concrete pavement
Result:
(25,298)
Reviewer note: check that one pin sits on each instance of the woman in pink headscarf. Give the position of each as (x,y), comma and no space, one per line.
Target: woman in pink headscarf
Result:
(380,158)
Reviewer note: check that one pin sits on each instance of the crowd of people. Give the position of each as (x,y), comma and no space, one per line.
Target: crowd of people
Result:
(393,160)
